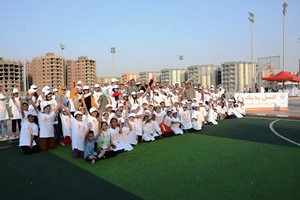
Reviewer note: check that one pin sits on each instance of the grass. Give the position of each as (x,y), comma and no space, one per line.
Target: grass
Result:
(202,166)
(238,159)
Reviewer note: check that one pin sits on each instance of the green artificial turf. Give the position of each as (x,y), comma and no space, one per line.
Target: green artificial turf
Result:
(197,166)
(288,129)
(48,177)
(254,129)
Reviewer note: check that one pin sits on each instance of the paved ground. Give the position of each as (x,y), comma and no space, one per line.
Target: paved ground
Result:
(293,112)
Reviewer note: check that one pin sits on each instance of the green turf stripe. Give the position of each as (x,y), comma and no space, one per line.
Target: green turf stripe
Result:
(250,129)
(46,176)
(197,166)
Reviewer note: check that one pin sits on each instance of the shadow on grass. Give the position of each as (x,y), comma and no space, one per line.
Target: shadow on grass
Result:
(46,176)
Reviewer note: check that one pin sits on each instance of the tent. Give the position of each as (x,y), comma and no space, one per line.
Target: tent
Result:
(282,76)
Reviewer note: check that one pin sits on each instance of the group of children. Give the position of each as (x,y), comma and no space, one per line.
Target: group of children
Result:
(94,133)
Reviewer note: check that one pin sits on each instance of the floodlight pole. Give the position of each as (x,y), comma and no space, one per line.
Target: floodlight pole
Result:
(113,51)
(251,20)
(62,48)
(180,60)
(284,6)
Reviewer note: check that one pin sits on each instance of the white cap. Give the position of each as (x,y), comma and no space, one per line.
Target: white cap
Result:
(31,91)
(96,86)
(167,80)
(44,104)
(115,86)
(33,87)
(79,82)
(141,91)
(85,87)
(125,95)
(133,93)
(114,80)
(108,105)
(55,90)
(212,86)
(2,96)
(195,105)
(47,92)
(155,91)
(134,106)
(201,101)
(131,115)
(92,109)
(30,112)
(46,88)
(15,90)
(168,104)
(121,120)
(77,113)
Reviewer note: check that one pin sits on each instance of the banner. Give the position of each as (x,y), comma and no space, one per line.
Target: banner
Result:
(265,101)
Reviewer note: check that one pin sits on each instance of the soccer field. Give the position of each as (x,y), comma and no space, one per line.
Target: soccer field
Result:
(238,159)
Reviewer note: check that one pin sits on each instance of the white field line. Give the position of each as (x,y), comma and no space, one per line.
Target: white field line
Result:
(292,120)
(273,130)
(5,147)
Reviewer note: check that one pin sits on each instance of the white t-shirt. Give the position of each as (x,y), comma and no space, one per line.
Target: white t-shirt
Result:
(114,135)
(95,124)
(105,138)
(46,124)
(197,124)
(28,129)
(15,108)
(79,129)
(3,111)
(185,117)
(66,125)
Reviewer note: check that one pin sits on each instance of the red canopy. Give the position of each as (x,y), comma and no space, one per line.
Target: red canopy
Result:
(282,76)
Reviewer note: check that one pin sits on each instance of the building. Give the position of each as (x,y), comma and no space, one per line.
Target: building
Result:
(173,75)
(207,75)
(147,76)
(128,76)
(237,75)
(81,69)
(45,70)
(107,80)
(11,75)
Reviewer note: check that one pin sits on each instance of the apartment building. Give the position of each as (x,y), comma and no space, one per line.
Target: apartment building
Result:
(82,69)
(237,75)
(147,76)
(173,75)
(207,75)
(11,75)
(45,70)
(128,76)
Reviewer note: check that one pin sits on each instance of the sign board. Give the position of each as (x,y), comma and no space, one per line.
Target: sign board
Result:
(264,101)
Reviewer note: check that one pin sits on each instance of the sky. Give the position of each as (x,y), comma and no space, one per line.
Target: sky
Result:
(149,35)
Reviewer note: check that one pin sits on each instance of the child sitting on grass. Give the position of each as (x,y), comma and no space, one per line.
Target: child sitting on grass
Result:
(89,151)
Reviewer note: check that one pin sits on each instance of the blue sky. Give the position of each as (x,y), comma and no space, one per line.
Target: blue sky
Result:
(149,35)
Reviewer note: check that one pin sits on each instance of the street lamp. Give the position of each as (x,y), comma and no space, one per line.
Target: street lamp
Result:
(180,60)
(113,51)
(284,6)
(251,20)
(62,48)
